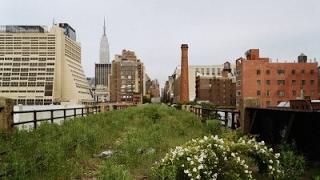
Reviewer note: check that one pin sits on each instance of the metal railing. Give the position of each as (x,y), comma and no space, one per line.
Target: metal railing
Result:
(85,111)
(227,116)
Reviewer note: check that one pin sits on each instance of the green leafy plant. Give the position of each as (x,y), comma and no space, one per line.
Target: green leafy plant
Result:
(292,162)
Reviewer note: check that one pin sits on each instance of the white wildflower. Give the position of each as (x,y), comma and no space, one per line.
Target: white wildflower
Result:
(194,169)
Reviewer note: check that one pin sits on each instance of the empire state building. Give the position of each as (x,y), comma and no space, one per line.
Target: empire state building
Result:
(103,70)
(104,47)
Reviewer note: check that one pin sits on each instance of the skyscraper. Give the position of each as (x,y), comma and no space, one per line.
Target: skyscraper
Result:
(104,46)
(39,67)
(103,69)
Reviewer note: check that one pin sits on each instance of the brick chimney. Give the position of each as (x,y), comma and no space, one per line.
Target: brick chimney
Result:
(184,85)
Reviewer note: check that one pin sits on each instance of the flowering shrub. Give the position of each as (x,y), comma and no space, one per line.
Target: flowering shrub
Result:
(215,158)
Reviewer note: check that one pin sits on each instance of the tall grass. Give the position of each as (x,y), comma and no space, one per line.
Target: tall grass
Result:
(139,136)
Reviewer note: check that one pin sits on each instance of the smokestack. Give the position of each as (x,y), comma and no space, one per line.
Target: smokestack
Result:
(184,84)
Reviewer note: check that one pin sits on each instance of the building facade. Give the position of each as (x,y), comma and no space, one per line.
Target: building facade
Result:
(152,88)
(172,89)
(40,67)
(127,79)
(220,91)
(273,82)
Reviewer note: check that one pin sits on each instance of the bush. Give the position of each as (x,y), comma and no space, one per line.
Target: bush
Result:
(217,158)
(292,162)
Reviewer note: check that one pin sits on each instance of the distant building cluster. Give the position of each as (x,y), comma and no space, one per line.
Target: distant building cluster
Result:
(252,77)
(41,67)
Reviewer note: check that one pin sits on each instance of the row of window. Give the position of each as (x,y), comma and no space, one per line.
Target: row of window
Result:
(45,53)
(281,93)
(214,71)
(22,91)
(282,71)
(283,82)
(33,101)
(26,58)
(22,84)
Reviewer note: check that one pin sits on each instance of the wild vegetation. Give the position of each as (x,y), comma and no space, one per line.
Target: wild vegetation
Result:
(134,140)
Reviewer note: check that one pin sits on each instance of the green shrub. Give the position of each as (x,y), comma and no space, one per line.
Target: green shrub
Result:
(292,162)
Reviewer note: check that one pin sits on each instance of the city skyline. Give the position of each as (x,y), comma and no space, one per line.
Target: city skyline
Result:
(155,29)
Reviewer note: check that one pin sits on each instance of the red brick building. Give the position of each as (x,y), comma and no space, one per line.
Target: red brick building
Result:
(220,91)
(273,82)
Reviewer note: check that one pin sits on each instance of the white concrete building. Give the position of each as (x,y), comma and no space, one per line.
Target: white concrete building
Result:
(40,67)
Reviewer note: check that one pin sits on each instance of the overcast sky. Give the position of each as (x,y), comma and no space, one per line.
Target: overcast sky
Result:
(216,31)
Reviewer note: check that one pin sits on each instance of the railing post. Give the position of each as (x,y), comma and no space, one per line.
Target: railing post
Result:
(75,112)
(51,116)
(96,109)
(34,119)
(226,118)
(87,111)
(82,111)
(232,121)
(64,114)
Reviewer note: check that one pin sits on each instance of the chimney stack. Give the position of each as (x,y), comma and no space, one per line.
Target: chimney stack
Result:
(184,84)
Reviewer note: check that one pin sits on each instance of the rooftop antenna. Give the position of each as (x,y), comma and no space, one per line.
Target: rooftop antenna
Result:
(104,26)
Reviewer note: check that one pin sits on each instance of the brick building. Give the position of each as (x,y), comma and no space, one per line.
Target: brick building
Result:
(127,79)
(273,82)
(220,91)
(152,88)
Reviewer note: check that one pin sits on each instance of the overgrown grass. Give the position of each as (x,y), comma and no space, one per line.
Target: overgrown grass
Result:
(139,136)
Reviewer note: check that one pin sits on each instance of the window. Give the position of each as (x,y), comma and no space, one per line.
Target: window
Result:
(281,93)
(238,93)
(302,71)
(311,82)
(268,82)
(294,93)
(268,72)
(213,71)
(258,93)
(303,82)
(238,83)
(293,71)
(311,71)
(258,82)
(207,72)
(280,72)
(281,82)
(258,72)
(293,82)
(268,93)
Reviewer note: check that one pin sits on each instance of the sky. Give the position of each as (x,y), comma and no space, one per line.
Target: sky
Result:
(216,30)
